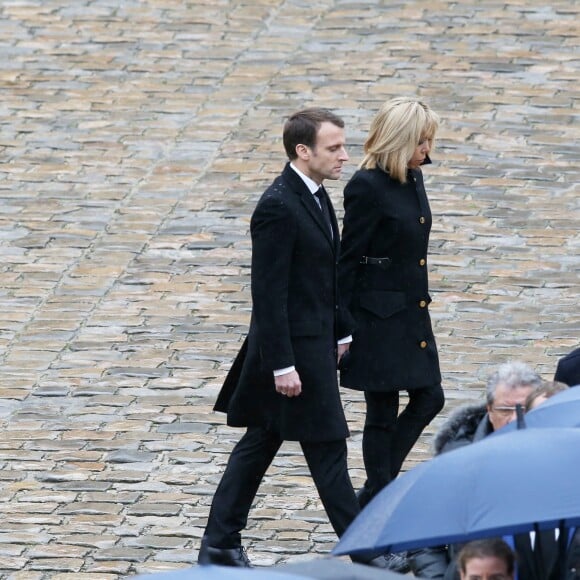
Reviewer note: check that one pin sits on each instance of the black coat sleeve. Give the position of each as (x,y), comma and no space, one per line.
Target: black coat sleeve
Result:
(273,230)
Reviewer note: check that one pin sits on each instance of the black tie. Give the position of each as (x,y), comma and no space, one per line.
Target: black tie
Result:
(321,198)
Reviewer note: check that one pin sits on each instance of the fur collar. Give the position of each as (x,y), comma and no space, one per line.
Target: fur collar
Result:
(462,424)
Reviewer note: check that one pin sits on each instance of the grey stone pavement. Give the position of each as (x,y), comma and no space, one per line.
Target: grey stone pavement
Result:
(136,137)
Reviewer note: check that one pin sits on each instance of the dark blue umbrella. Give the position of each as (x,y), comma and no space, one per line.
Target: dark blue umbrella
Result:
(522,481)
(317,568)
(560,410)
(225,573)
(336,569)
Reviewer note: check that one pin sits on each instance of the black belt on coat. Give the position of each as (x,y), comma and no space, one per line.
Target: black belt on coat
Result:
(384,262)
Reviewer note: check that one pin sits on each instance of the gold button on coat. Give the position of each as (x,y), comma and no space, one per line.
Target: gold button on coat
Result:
(421,220)
(422,262)
(423,303)
(423,344)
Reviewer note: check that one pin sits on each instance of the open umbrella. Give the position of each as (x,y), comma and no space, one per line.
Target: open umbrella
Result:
(335,569)
(522,481)
(224,573)
(560,410)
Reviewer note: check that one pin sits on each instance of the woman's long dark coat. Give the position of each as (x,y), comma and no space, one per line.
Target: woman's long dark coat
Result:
(393,345)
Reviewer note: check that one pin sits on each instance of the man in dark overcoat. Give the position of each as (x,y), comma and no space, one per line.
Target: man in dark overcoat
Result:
(283,383)
(568,369)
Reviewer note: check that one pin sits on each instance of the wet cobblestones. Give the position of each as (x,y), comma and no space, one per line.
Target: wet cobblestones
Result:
(136,138)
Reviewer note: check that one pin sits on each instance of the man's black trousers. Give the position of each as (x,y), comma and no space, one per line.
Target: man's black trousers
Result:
(245,470)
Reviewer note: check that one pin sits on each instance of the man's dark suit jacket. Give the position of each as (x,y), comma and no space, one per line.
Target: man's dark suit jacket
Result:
(294,319)
(539,562)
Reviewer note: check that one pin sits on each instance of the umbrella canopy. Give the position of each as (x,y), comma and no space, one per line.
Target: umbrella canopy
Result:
(224,573)
(560,410)
(335,569)
(521,481)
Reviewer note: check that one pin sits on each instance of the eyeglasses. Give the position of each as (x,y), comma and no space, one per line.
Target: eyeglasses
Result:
(505,411)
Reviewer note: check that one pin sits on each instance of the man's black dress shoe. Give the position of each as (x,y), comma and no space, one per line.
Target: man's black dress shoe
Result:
(223,556)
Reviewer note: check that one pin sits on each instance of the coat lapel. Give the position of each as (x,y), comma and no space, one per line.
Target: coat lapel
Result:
(312,208)
(335,238)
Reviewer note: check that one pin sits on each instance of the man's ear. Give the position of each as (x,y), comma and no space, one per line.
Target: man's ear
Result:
(303,152)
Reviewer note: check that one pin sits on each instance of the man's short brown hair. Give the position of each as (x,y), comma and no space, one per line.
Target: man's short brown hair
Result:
(488,548)
(302,127)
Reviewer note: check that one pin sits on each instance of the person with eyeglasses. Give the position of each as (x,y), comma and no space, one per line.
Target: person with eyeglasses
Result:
(507,387)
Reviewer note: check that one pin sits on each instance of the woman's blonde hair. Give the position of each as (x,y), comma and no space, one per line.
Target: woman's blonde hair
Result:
(396,131)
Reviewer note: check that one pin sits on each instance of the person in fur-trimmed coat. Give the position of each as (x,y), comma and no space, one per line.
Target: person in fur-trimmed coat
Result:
(507,387)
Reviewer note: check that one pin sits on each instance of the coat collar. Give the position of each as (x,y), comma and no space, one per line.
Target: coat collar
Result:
(307,199)
(310,183)
(463,423)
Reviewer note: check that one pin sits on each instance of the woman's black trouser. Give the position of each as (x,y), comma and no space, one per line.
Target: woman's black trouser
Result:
(389,437)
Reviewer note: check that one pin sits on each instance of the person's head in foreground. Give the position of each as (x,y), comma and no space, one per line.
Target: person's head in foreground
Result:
(543,393)
(490,559)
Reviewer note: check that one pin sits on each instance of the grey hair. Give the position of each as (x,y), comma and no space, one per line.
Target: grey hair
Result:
(511,375)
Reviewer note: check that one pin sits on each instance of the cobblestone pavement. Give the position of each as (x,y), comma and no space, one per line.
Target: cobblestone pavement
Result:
(136,137)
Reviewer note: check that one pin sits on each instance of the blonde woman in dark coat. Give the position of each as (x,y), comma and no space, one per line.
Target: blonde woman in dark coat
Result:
(384,288)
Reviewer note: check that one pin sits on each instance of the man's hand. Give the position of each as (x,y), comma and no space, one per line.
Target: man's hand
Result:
(342,348)
(288,384)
